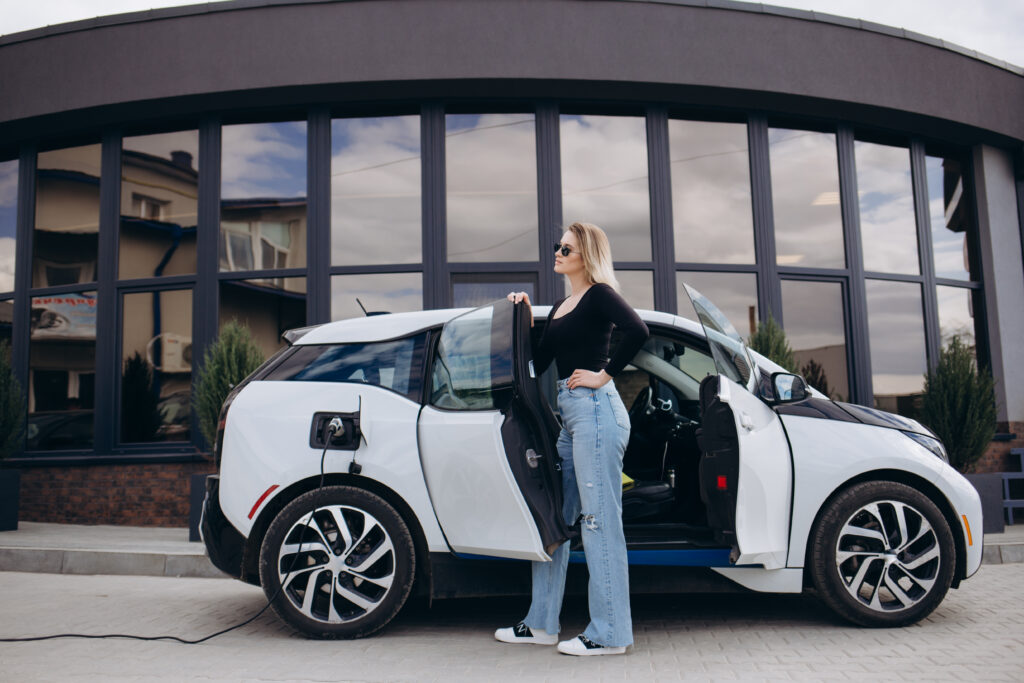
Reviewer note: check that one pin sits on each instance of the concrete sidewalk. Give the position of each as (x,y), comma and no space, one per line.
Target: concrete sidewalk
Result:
(148,551)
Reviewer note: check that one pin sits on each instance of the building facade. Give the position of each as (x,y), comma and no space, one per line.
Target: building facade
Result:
(287,163)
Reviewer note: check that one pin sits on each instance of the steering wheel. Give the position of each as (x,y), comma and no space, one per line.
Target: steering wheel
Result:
(643,405)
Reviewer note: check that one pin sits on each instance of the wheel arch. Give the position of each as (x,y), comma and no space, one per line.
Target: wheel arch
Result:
(251,553)
(915,481)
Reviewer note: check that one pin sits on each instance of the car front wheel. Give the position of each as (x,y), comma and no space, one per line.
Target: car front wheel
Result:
(882,554)
(337,562)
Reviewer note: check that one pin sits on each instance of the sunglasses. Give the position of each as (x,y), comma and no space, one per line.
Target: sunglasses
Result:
(559,247)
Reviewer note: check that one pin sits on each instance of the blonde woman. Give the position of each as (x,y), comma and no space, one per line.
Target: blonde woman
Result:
(595,430)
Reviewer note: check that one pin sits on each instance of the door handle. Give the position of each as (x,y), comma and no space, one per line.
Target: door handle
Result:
(746,422)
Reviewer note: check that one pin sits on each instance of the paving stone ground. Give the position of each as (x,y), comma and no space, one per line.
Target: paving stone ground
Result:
(977,634)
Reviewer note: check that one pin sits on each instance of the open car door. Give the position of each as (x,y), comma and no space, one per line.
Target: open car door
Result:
(487,439)
(746,472)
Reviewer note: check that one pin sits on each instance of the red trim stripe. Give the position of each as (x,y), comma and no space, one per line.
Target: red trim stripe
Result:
(260,500)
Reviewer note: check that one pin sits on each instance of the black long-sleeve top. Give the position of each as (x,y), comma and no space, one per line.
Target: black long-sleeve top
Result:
(581,338)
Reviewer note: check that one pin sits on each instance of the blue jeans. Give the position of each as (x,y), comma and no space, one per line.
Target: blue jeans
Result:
(595,430)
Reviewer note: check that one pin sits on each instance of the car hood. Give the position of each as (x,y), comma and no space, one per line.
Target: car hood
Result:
(880,418)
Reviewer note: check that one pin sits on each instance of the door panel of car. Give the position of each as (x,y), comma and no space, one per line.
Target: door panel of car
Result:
(487,451)
(765,481)
(746,467)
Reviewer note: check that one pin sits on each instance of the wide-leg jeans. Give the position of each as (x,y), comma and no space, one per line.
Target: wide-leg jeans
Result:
(595,431)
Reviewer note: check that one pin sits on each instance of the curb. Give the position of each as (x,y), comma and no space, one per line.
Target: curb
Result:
(57,561)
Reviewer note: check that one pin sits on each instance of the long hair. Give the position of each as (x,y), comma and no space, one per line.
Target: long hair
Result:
(596,253)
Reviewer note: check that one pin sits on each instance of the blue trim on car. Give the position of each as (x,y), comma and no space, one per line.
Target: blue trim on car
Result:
(706,557)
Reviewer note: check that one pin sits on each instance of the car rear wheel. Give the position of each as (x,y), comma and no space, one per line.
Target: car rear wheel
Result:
(337,562)
(882,554)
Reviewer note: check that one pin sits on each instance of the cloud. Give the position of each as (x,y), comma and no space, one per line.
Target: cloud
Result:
(392,292)
(263,160)
(162,144)
(8,184)
(6,264)
(888,228)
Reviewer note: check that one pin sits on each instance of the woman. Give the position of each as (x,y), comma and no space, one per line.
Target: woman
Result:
(595,430)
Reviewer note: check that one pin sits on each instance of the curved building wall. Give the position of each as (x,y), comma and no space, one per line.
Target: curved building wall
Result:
(290,163)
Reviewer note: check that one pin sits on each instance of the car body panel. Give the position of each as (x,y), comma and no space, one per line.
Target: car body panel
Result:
(266,443)
(829,453)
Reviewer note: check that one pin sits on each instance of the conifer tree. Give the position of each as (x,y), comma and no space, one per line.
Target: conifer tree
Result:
(770,341)
(229,360)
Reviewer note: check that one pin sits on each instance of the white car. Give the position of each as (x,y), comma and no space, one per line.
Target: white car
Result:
(441,466)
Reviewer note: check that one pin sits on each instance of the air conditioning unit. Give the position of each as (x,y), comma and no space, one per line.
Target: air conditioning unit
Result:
(174,355)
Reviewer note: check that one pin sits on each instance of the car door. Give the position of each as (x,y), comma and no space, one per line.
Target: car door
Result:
(487,439)
(746,466)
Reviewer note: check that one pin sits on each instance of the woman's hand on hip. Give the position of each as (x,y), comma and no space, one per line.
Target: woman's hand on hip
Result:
(588,378)
(516,297)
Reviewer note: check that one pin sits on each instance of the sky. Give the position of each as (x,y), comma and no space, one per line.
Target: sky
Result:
(992,27)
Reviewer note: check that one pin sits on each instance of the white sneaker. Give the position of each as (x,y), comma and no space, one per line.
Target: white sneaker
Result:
(521,633)
(582,646)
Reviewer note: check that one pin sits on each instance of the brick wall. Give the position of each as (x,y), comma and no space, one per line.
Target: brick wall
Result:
(997,456)
(135,495)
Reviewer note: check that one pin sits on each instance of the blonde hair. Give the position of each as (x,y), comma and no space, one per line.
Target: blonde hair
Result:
(596,252)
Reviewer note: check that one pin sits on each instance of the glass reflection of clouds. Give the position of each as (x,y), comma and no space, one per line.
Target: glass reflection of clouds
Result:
(711,209)
(888,230)
(263,196)
(8,222)
(491,179)
(949,222)
(896,331)
(813,317)
(805,197)
(734,294)
(375,191)
(387,292)
(956,314)
(159,200)
(637,287)
(604,180)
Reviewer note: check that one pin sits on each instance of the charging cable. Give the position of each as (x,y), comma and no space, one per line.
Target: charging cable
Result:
(330,429)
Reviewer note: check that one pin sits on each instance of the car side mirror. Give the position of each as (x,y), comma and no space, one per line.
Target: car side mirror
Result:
(787,388)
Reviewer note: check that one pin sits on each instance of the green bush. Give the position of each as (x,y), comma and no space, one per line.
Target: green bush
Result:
(229,360)
(770,341)
(959,404)
(814,374)
(12,405)
(140,413)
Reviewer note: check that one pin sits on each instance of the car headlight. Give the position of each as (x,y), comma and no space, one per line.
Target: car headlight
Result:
(934,445)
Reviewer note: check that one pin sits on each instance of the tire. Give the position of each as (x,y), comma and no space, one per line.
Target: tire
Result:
(872,569)
(355,551)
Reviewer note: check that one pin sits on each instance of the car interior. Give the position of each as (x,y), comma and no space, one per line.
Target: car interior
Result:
(661,499)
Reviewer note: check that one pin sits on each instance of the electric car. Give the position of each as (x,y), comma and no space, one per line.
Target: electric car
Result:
(376,456)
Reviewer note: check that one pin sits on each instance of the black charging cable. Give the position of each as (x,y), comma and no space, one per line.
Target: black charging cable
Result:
(330,429)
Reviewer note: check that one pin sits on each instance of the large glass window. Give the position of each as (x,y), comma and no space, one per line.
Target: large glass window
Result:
(604,180)
(711,209)
(65,242)
(8,223)
(491,179)
(62,372)
(805,197)
(637,287)
(813,316)
(950,219)
(263,196)
(159,197)
(156,366)
(887,226)
(956,314)
(735,294)
(267,306)
(477,289)
(898,357)
(375,191)
(376,293)
(473,360)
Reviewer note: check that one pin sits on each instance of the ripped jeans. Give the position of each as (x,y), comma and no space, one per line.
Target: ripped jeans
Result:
(595,430)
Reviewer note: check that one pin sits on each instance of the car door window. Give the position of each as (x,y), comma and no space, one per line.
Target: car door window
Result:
(473,361)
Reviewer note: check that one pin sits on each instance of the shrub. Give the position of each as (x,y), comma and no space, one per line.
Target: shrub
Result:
(140,414)
(229,360)
(770,341)
(814,374)
(12,405)
(959,404)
